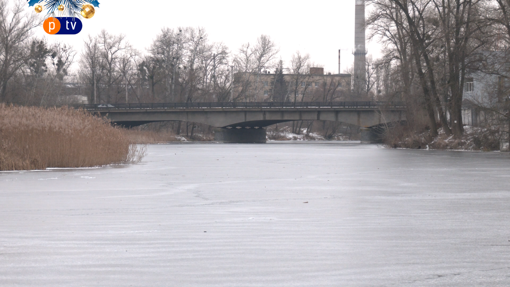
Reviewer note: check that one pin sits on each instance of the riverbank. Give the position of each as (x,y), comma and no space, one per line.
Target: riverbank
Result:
(474,139)
(38,138)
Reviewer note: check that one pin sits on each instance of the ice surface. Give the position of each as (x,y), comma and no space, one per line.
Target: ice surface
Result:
(288,214)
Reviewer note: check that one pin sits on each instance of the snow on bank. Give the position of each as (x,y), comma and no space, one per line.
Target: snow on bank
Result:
(285,135)
(474,138)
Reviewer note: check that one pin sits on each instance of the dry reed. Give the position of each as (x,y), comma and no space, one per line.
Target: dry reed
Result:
(37,138)
(136,136)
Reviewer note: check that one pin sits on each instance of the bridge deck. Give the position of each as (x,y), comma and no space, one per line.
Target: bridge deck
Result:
(251,114)
(358,105)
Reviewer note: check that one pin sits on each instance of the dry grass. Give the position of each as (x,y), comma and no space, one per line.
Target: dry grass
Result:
(136,136)
(141,136)
(37,138)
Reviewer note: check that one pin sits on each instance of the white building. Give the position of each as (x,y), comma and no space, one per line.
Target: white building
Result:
(486,86)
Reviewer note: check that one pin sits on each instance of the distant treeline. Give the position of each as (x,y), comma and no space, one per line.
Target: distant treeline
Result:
(432,52)
(180,65)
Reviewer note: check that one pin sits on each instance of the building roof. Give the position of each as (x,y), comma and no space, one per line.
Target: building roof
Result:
(272,74)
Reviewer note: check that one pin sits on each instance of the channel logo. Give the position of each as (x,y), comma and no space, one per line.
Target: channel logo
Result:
(62,25)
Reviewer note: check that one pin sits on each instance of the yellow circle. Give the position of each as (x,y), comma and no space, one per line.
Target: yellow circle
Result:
(38,8)
(87,11)
(61,8)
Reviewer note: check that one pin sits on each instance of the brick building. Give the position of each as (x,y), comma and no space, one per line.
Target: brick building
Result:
(312,86)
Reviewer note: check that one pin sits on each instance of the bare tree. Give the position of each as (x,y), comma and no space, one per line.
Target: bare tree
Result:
(264,53)
(459,25)
(127,68)
(91,68)
(300,73)
(196,48)
(111,49)
(388,23)
(15,31)
(327,89)
(168,49)
(433,32)
(251,60)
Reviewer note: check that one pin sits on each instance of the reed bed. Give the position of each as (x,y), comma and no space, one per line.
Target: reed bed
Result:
(37,138)
(136,136)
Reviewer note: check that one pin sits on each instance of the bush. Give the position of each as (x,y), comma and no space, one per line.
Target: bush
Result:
(37,138)
(474,138)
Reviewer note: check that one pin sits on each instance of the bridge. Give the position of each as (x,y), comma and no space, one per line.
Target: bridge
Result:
(245,122)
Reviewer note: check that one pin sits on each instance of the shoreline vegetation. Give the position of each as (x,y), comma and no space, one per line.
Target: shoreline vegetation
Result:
(37,138)
(473,139)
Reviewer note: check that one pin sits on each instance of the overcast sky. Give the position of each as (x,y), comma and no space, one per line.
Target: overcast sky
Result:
(318,27)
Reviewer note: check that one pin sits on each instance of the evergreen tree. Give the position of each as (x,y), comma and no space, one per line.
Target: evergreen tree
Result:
(280,89)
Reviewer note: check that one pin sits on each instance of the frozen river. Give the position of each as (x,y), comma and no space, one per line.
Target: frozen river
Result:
(262,215)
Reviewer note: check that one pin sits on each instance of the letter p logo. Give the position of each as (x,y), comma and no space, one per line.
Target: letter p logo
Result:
(51,25)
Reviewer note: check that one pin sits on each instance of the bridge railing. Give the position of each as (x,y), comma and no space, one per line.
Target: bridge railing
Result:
(237,105)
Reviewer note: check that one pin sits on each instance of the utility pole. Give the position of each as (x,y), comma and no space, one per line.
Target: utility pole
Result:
(214,75)
(94,72)
(173,80)
(175,62)
(232,83)
(167,68)
(95,92)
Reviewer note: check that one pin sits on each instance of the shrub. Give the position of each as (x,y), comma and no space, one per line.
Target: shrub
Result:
(474,138)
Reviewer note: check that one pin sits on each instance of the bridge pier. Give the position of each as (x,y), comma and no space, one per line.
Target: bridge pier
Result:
(505,138)
(242,135)
(369,136)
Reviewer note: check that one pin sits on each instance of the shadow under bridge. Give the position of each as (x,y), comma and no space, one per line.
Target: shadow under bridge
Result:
(246,122)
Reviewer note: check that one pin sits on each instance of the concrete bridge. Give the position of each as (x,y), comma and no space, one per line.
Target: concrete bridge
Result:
(245,122)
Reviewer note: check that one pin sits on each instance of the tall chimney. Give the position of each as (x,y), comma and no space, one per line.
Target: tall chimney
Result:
(360,69)
(339,61)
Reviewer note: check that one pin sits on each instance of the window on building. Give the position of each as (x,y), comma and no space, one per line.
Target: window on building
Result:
(266,84)
(469,85)
(266,93)
(316,84)
(303,84)
(503,89)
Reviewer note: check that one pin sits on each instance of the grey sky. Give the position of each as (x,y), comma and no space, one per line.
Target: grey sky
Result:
(318,28)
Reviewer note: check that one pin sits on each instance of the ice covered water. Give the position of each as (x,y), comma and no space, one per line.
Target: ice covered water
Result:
(262,215)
